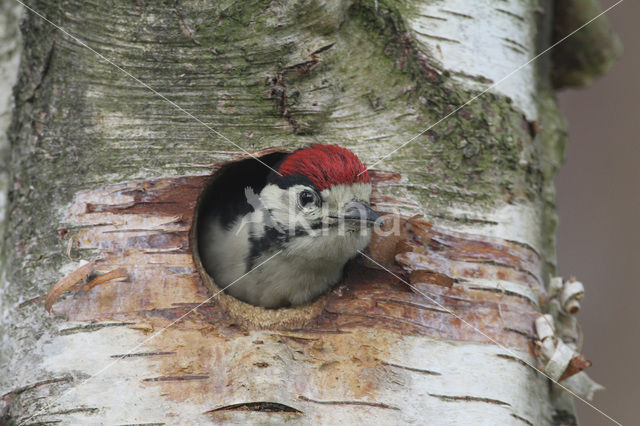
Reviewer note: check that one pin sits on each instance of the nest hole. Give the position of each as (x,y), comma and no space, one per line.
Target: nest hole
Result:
(227,182)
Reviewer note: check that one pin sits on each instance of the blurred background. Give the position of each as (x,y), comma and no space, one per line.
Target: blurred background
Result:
(599,232)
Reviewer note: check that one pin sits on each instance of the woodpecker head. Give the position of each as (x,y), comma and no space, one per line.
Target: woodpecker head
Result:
(288,243)
(322,190)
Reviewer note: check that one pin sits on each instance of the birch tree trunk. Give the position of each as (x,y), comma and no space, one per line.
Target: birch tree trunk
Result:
(105,175)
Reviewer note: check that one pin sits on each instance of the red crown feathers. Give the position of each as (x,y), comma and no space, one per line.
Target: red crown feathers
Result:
(326,166)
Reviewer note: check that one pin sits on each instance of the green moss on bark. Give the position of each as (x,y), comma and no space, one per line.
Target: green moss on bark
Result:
(485,150)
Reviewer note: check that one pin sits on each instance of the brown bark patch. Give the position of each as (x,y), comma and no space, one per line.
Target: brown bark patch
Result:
(142,230)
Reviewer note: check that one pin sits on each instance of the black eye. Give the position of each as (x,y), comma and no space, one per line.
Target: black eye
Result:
(307,198)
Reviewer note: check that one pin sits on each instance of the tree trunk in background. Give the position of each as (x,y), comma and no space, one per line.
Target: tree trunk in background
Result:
(107,172)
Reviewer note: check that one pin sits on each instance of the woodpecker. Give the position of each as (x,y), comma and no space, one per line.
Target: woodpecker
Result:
(288,243)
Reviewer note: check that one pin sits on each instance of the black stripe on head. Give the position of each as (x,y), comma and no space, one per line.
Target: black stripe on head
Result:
(286,182)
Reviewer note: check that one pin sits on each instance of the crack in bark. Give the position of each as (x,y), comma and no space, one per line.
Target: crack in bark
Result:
(90,410)
(435,37)
(361,403)
(142,354)
(26,388)
(518,360)
(458,14)
(416,370)
(261,406)
(502,292)
(467,398)
(511,14)
(279,93)
(31,301)
(46,66)
(175,378)
(411,304)
(91,327)
(520,332)
(522,419)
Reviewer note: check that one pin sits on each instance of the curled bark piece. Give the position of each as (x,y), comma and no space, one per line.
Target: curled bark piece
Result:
(555,286)
(570,296)
(116,274)
(583,385)
(66,283)
(546,331)
(576,365)
(384,243)
(561,360)
(430,277)
(420,228)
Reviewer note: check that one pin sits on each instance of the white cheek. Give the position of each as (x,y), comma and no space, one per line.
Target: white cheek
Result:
(284,206)
(277,201)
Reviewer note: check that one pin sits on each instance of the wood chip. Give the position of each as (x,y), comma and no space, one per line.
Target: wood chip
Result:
(116,274)
(430,277)
(576,365)
(66,283)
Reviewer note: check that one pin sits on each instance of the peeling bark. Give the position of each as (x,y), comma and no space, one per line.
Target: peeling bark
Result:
(106,177)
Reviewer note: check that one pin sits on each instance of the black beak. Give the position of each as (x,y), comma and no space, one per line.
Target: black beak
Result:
(357,211)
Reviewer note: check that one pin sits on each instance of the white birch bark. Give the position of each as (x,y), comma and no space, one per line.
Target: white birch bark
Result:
(89,142)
